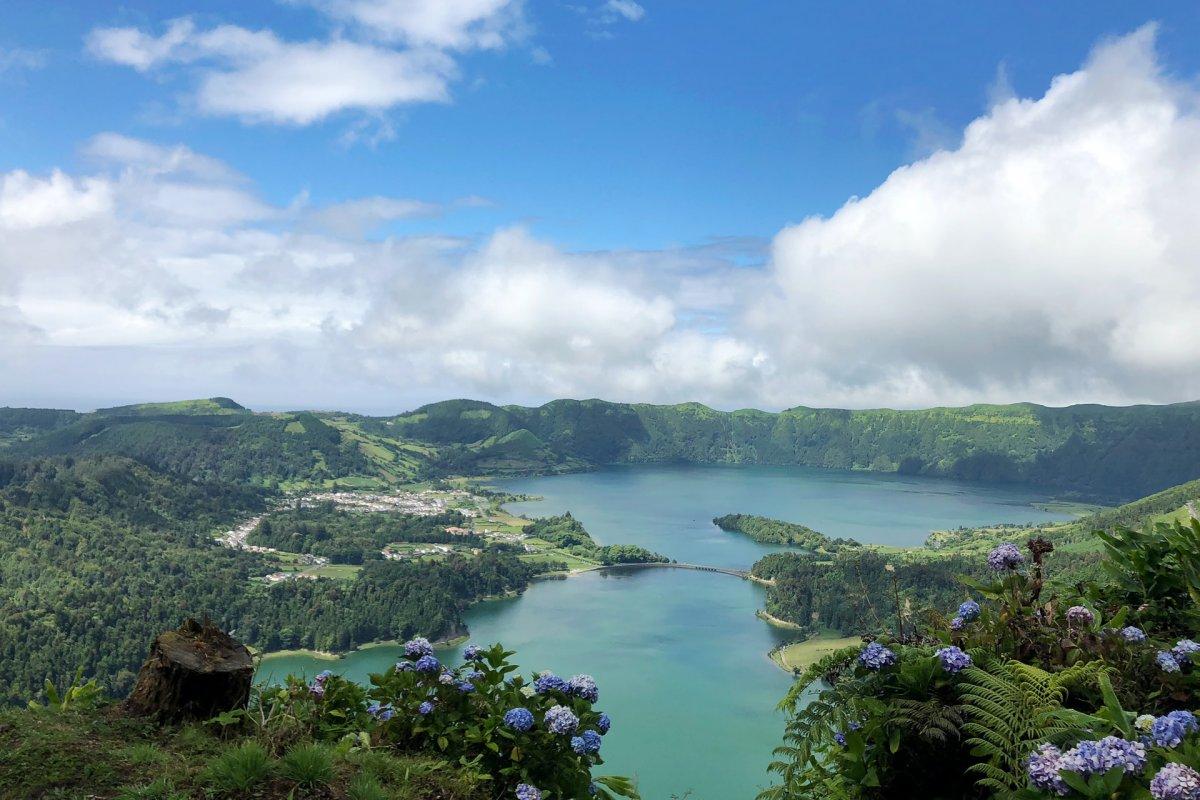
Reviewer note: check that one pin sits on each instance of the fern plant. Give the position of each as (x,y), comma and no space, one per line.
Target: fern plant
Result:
(1011,708)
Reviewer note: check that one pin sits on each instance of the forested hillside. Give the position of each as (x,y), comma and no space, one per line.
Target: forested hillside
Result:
(98,555)
(1090,450)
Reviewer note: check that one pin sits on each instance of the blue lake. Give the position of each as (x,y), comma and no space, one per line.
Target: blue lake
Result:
(679,656)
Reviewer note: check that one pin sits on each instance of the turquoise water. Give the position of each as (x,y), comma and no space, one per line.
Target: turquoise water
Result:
(679,657)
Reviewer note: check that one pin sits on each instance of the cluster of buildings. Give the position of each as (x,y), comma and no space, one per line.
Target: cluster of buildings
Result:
(278,577)
(424,504)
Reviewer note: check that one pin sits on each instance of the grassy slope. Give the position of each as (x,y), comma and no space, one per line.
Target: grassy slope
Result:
(796,657)
(101,755)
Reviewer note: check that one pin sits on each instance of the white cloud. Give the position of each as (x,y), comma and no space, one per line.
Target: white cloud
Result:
(443,24)
(1050,255)
(623,8)
(20,59)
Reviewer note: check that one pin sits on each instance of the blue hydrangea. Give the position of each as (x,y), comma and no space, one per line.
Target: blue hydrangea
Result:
(953,659)
(968,611)
(1043,766)
(1005,556)
(584,686)
(425,709)
(957,624)
(519,719)
(561,720)
(549,682)
(474,676)
(1166,661)
(1169,729)
(1080,615)
(1091,758)
(420,646)
(603,724)
(466,687)
(1184,649)
(318,685)
(405,666)
(840,738)
(472,652)
(1133,634)
(876,656)
(528,792)
(428,664)
(380,712)
(446,678)
(1175,782)
(586,743)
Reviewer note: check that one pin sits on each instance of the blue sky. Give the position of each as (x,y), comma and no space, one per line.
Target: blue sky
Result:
(541,139)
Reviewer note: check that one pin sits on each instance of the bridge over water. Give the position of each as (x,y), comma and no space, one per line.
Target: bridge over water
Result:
(737,573)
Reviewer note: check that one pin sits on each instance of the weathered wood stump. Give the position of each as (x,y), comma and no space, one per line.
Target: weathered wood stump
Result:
(194,673)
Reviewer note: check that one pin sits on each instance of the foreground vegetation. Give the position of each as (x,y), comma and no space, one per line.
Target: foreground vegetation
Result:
(423,731)
(1022,692)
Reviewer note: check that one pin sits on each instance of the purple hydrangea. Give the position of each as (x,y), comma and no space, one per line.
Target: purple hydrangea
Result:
(1166,661)
(1043,766)
(603,724)
(318,685)
(968,611)
(840,738)
(586,743)
(1080,615)
(876,656)
(953,659)
(1175,782)
(472,652)
(1005,556)
(549,682)
(1133,634)
(1091,758)
(561,720)
(428,664)
(957,624)
(380,712)
(1169,730)
(446,678)
(584,686)
(474,676)
(519,719)
(466,687)
(420,646)
(527,792)
(1184,649)
(425,709)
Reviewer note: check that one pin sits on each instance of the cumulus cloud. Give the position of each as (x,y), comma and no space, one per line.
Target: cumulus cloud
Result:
(443,24)
(1049,254)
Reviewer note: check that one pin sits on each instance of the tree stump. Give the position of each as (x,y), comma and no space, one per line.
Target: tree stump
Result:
(194,673)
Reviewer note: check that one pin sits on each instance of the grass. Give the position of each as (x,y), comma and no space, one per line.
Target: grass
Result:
(798,655)
(102,755)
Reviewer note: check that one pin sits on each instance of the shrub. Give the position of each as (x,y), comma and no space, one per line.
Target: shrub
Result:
(365,787)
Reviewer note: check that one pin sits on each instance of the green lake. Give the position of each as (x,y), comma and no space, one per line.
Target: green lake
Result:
(679,656)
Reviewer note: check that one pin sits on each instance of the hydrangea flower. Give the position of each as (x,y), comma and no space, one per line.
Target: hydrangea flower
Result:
(318,685)
(420,646)
(380,712)
(586,743)
(425,709)
(1080,615)
(1169,730)
(1132,634)
(549,682)
(957,624)
(1166,661)
(1144,722)
(1175,782)
(472,652)
(968,611)
(840,738)
(519,719)
(561,720)
(876,656)
(405,666)
(1184,649)
(1089,758)
(446,678)
(428,664)
(953,659)
(528,792)
(584,686)
(1043,766)
(1005,556)
(466,687)
(603,724)
(474,675)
